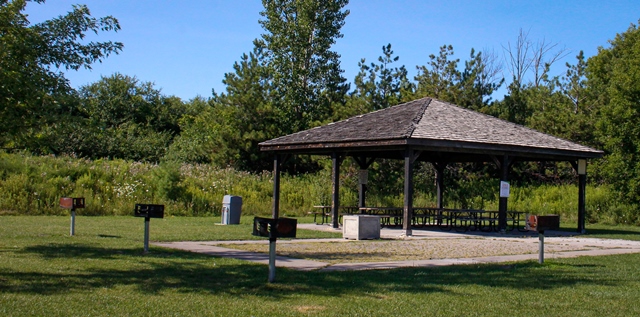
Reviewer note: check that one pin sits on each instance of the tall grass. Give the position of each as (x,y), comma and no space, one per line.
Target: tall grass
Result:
(33,185)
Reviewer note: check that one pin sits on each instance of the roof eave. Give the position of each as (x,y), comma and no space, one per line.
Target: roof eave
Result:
(520,151)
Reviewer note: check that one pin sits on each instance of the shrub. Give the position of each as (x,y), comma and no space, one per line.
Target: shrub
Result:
(34,184)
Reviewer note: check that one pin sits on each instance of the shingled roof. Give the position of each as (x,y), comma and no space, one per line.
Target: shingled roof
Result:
(433,126)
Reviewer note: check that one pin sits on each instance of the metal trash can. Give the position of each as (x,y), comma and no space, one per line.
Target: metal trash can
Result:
(231,209)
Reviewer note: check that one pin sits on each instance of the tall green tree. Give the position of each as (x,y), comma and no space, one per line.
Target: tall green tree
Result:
(306,73)
(581,126)
(613,77)
(478,81)
(32,57)
(440,78)
(377,86)
(470,88)
(245,114)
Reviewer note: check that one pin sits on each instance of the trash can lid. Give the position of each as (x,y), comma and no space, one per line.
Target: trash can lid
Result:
(227,199)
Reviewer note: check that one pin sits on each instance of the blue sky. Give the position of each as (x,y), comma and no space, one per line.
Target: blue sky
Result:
(186,47)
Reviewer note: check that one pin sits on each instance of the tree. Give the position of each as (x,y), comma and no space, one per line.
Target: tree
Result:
(613,78)
(523,57)
(245,115)
(440,78)
(121,117)
(470,88)
(306,72)
(291,81)
(574,85)
(197,142)
(32,84)
(478,81)
(389,81)
(377,86)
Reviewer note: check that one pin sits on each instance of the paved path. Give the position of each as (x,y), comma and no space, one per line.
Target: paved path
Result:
(577,246)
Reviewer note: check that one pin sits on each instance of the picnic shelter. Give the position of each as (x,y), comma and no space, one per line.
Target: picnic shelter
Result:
(433,131)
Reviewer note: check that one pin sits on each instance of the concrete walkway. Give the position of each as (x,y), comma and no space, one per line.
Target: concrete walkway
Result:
(575,246)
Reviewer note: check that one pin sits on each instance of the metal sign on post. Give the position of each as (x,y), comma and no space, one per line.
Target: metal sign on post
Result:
(273,229)
(540,224)
(504,189)
(148,211)
(72,203)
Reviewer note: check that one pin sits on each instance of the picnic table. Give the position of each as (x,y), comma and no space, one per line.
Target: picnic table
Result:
(444,218)
(482,220)
(386,214)
(324,212)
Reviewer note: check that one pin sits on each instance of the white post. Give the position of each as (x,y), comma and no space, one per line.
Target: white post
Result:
(146,234)
(272,261)
(541,247)
(72,230)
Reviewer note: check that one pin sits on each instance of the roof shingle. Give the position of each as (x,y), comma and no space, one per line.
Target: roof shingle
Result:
(427,120)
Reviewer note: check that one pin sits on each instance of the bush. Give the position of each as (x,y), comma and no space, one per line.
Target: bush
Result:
(33,185)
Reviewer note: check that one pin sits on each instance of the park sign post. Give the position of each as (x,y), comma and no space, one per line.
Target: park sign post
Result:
(274,228)
(148,211)
(540,224)
(72,204)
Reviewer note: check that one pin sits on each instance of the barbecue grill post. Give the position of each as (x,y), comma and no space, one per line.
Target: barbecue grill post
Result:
(541,247)
(146,234)
(275,212)
(72,229)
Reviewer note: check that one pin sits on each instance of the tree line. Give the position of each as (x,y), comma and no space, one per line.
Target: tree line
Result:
(292,80)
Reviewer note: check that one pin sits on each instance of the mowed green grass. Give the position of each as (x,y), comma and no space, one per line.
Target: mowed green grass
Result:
(102,271)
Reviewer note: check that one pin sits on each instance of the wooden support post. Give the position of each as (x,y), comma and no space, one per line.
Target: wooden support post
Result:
(409,158)
(275,208)
(440,183)
(335,197)
(362,179)
(502,203)
(582,185)
(362,190)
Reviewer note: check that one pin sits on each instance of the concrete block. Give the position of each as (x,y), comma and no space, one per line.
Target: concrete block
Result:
(360,227)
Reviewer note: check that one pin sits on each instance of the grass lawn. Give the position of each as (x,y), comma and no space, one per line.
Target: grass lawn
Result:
(102,272)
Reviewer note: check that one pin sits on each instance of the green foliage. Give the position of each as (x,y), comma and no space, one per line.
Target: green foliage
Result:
(441,78)
(245,115)
(34,184)
(198,139)
(470,88)
(31,85)
(614,87)
(306,74)
(290,82)
(119,117)
(168,182)
(377,86)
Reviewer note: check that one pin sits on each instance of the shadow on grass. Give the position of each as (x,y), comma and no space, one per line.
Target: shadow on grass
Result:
(177,271)
(77,251)
(613,232)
